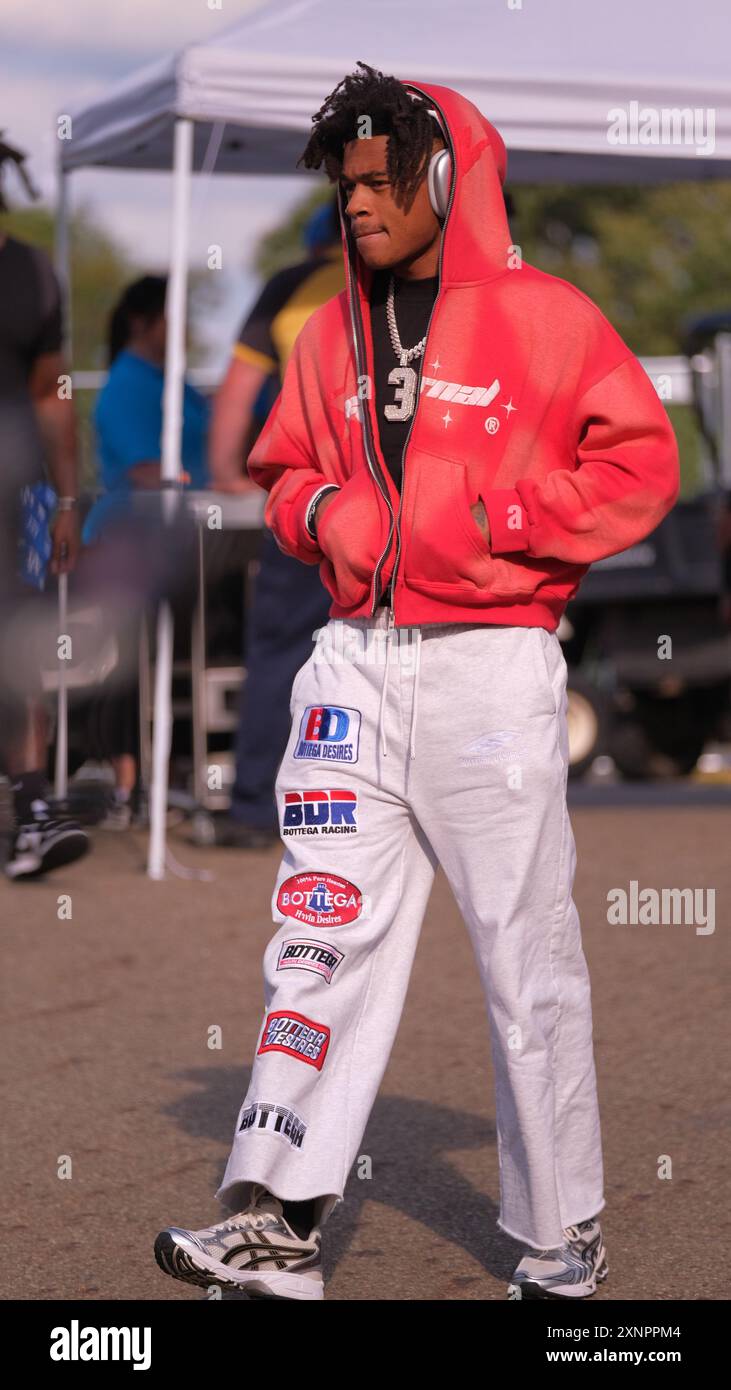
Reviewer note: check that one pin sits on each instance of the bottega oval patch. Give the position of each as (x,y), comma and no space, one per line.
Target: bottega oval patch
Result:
(320,900)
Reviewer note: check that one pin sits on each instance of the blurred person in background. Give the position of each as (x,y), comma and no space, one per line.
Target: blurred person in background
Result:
(128,412)
(37,438)
(289,601)
(128,430)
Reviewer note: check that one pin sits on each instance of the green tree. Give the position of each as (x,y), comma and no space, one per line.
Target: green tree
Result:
(648,256)
(283,245)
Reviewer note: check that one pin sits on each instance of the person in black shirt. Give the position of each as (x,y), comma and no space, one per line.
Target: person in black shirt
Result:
(37,429)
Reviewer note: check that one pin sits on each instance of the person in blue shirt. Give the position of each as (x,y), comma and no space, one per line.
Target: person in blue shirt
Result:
(128,412)
(128,427)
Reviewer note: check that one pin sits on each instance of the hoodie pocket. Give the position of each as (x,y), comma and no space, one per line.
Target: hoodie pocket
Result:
(445,552)
(548,667)
(445,545)
(352,536)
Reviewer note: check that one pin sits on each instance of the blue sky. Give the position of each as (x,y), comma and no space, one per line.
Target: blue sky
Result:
(56,54)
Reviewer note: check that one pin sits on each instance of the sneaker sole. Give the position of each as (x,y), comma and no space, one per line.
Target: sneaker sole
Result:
(65,850)
(531,1288)
(194,1267)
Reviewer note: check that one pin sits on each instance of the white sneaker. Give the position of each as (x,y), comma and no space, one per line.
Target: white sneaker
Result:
(573,1270)
(255,1251)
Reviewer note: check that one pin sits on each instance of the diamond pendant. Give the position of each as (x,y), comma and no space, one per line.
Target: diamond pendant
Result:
(405,379)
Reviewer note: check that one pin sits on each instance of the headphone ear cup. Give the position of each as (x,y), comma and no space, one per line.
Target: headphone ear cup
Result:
(439,178)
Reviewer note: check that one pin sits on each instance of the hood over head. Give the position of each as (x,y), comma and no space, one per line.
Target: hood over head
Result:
(476,234)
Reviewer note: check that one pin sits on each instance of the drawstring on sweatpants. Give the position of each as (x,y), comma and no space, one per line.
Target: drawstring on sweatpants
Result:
(414,700)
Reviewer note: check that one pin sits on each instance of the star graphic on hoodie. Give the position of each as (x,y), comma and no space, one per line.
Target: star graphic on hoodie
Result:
(509,408)
(447,419)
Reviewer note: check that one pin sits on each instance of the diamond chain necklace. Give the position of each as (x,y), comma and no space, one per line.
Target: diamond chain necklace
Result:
(404,355)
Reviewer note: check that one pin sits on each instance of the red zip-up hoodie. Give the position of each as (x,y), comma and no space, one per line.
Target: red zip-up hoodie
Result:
(527,399)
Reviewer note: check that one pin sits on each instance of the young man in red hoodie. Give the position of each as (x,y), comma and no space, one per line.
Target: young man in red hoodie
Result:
(457,438)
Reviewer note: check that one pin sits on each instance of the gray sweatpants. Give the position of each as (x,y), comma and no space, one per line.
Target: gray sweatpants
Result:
(446,743)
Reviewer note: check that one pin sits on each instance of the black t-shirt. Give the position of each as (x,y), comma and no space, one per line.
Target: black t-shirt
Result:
(413,303)
(30,326)
(30,313)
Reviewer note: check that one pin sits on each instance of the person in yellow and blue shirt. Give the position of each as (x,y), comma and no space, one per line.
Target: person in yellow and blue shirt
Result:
(289,601)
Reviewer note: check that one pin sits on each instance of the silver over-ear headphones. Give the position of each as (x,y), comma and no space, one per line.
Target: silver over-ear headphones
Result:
(439,178)
(439,173)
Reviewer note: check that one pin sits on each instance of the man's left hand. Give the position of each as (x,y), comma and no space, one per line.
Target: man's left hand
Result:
(480,515)
(66,542)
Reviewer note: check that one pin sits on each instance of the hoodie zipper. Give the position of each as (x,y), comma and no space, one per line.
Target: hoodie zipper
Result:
(360,359)
(371,459)
(423,356)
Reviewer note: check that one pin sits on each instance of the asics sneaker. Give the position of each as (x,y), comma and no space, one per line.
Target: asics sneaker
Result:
(256,1251)
(44,840)
(572,1270)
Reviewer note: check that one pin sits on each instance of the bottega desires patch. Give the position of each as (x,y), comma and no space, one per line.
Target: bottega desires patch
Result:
(320,900)
(296,1035)
(328,733)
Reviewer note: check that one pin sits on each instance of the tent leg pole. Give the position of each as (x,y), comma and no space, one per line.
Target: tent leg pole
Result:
(161,741)
(62,253)
(172,430)
(176,306)
(62,723)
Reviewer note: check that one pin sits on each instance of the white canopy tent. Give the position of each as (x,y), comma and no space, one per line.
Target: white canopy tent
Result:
(545,73)
(581,92)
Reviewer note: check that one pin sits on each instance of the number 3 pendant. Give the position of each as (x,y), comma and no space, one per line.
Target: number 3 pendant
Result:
(405,379)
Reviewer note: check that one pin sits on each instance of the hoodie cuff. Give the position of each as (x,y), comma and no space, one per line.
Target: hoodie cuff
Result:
(507,518)
(310,513)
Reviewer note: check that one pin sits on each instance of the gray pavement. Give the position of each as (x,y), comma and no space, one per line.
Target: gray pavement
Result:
(106,1021)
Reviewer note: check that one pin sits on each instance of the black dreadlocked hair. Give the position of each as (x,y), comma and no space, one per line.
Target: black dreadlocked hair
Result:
(392,112)
(10,155)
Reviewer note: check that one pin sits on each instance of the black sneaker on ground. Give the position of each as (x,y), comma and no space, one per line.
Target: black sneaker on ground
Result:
(44,840)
